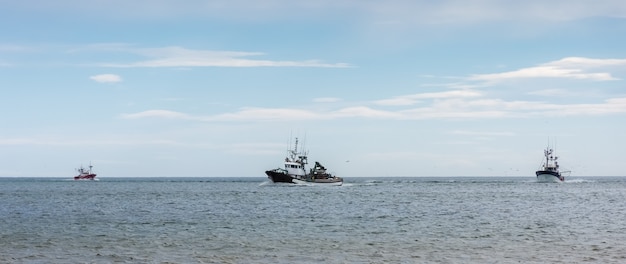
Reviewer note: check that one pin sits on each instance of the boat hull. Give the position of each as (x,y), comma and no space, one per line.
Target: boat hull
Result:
(549,176)
(85,177)
(283,177)
(278,176)
(319,182)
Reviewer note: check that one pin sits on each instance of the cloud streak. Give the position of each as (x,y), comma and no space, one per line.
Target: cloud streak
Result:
(81,143)
(326,100)
(106,78)
(165,114)
(182,57)
(439,109)
(415,98)
(571,67)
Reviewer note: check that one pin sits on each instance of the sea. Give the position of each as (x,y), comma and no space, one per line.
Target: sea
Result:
(367,220)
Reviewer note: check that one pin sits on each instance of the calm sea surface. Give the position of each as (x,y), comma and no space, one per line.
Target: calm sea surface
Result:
(368,220)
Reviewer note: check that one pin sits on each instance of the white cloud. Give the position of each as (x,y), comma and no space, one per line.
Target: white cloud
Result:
(78,142)
(547,93)
(106,78)
(480,133)
(582,62)
(415,98)
(571,67)
(398,101)
(157,114)
(326,100)
(551,92)
(363,111)
(266,114)
(460,113)
(453,108)
(17,141)
(181,57)
(15,48)
(543,72)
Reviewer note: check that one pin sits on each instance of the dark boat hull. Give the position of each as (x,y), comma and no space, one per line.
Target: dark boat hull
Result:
(277,176)
(556,175)
(85,177)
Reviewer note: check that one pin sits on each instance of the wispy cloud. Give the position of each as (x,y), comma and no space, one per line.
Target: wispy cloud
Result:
(571,67)
(106,78)
(158,114)
(245,114)
(543,72)
(581,62)
(456,108)
(182,57)
(40,141)
(561,92)
(267,114)
(551,92)
(415,98)
(326,100)
(480,133)
(15,48)
(364,112)
(461,103)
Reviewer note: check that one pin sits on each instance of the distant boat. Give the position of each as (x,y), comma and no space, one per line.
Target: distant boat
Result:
(84,174)
(295,171)
(549,171)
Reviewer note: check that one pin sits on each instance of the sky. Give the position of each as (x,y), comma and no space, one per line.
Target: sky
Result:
(371,88)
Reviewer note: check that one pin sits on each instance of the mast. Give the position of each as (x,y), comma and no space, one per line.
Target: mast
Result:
(295,147)
(293,153)
(547,153)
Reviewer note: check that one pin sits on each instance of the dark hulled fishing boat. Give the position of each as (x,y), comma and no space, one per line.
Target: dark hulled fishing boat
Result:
(294,170)
(549,171)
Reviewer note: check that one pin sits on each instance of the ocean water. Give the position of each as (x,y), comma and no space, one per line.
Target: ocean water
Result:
(368,220)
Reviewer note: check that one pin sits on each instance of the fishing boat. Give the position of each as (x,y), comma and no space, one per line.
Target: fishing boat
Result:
(549,171)
(85,174)
(294,171)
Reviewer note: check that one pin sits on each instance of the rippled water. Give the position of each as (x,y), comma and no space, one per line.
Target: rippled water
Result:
(368,220)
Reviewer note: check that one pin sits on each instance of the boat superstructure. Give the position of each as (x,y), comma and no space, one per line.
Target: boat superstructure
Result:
(318,175)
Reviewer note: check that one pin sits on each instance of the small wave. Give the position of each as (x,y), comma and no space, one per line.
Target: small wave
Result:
(578,181)
(530,181)
(269,183)
(373,181)
(265,183)
(440,181)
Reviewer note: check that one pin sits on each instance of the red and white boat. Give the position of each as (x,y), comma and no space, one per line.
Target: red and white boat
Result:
(85,174)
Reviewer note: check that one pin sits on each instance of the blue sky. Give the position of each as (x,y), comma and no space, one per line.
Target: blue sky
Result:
(372,88)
